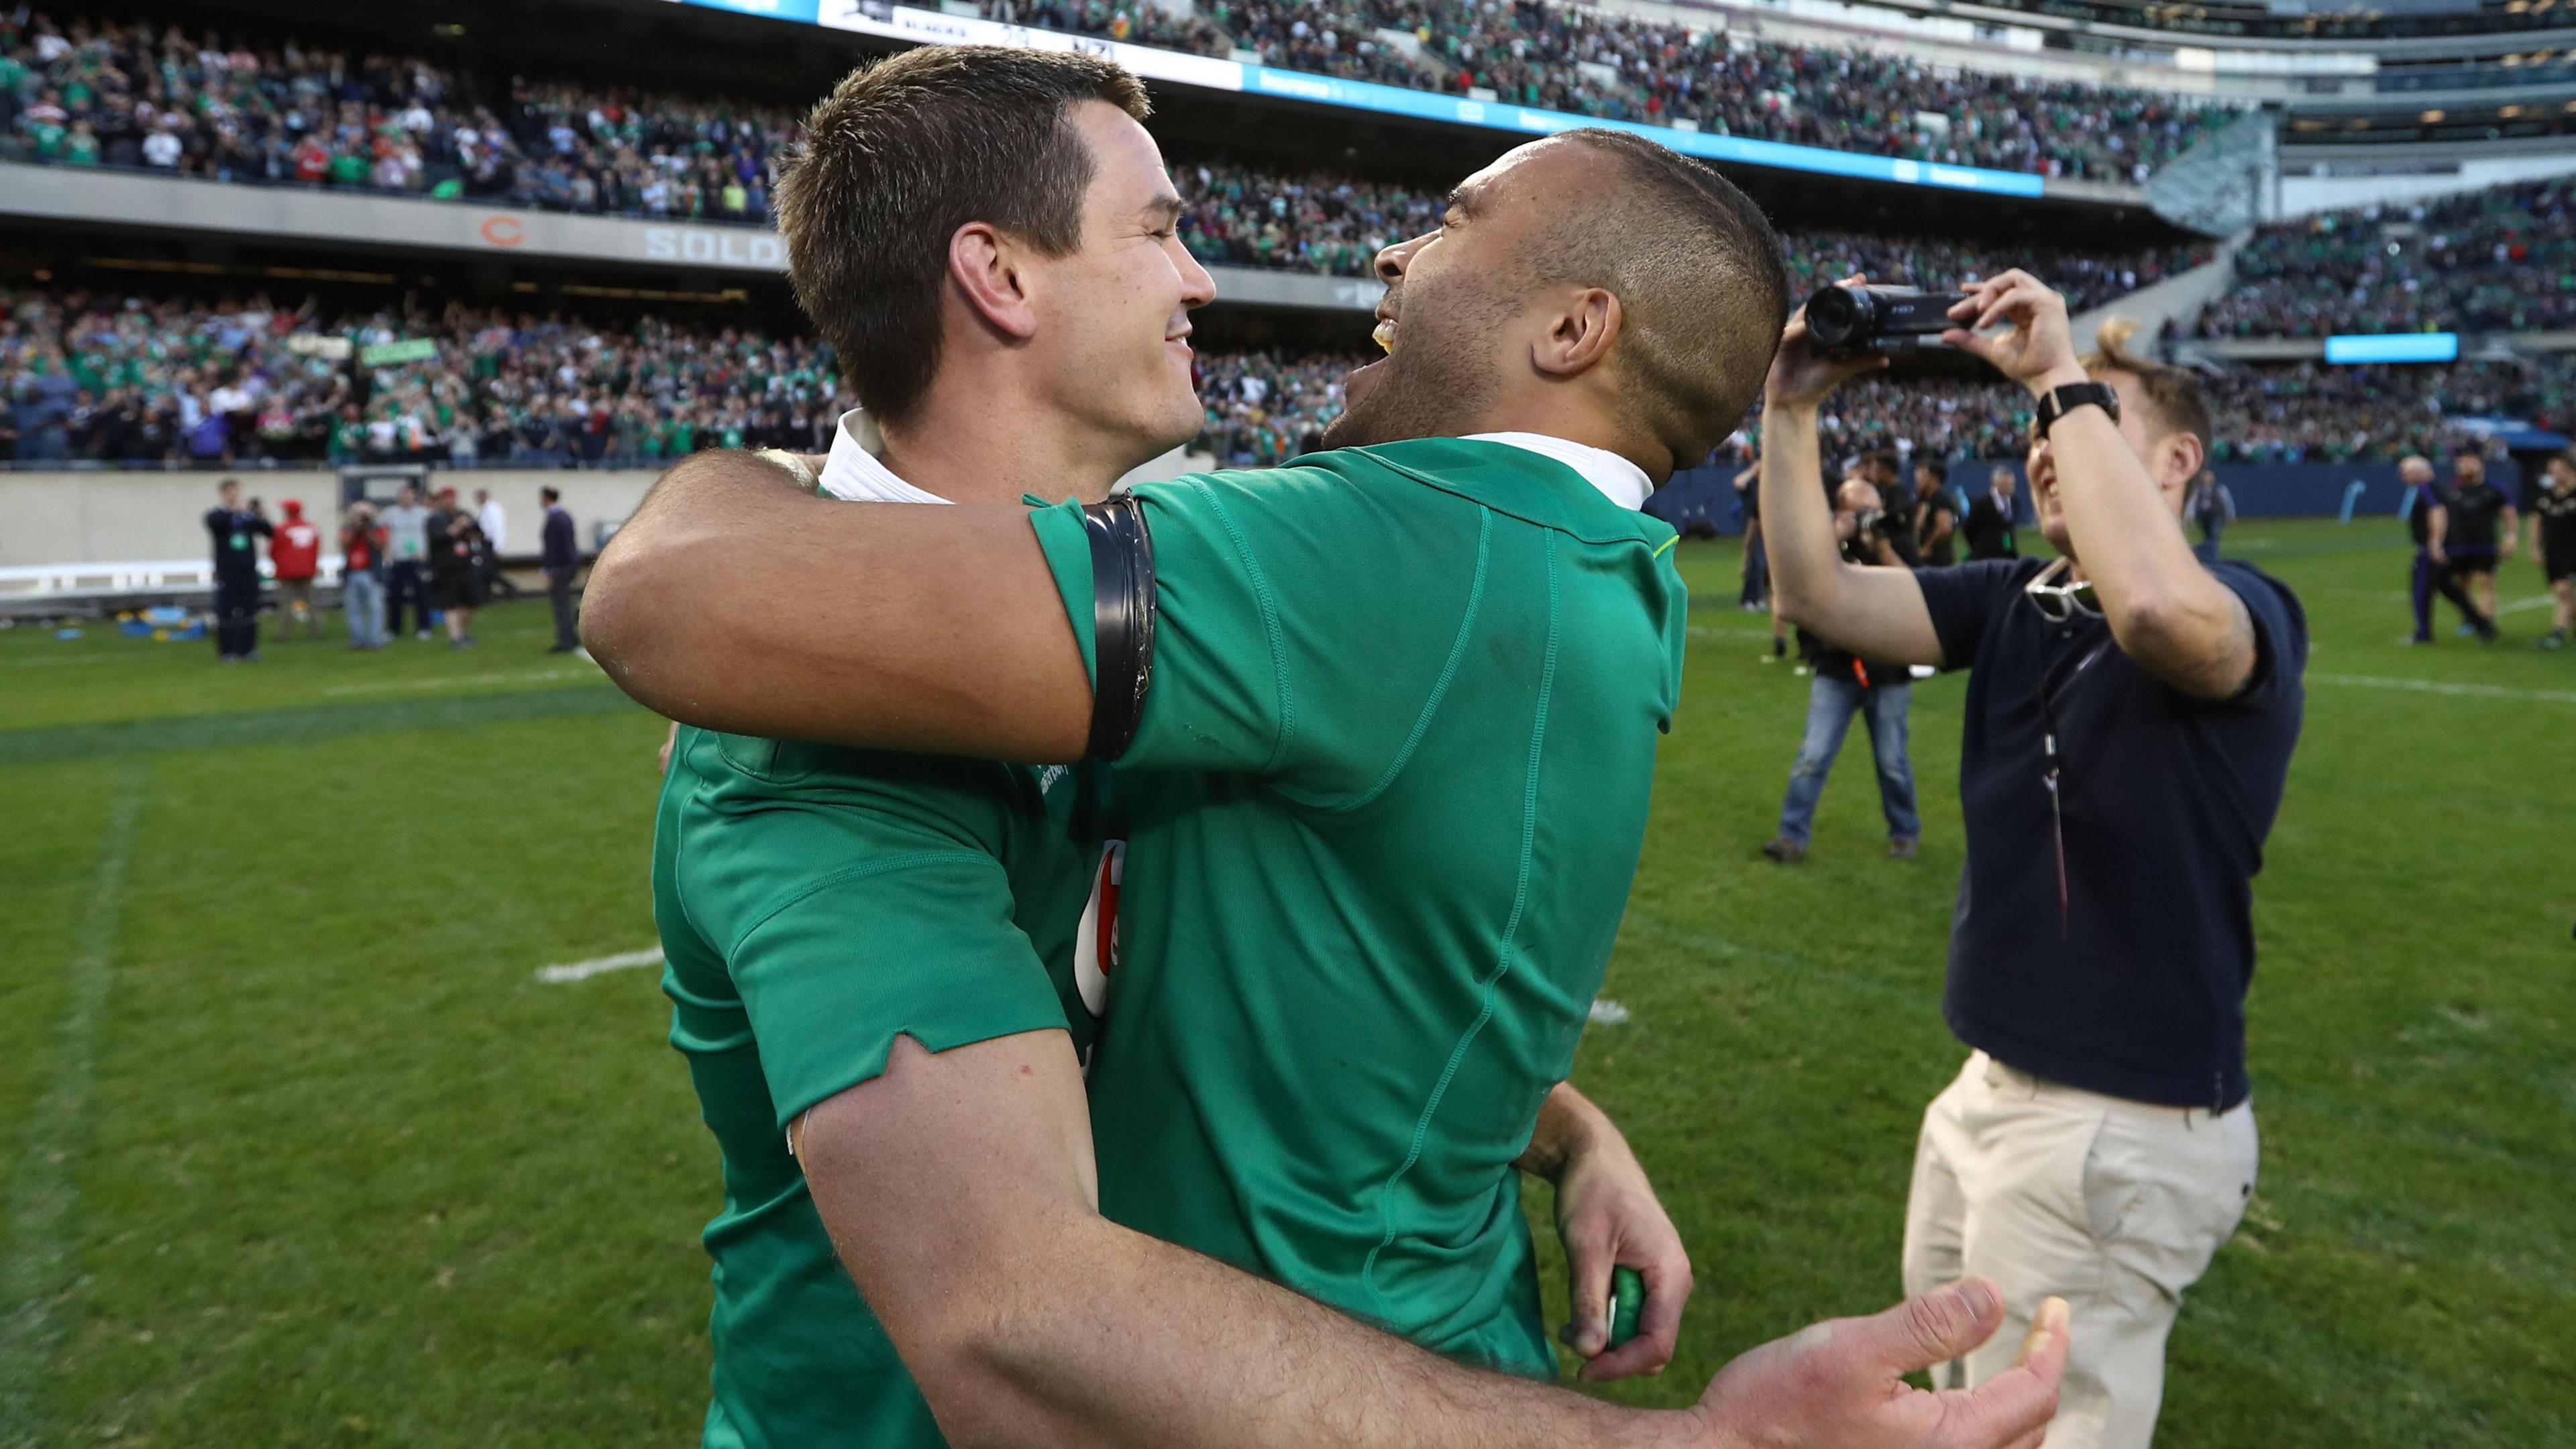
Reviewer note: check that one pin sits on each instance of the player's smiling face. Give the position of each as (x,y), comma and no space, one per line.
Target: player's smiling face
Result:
(1117,308)
(1451,298)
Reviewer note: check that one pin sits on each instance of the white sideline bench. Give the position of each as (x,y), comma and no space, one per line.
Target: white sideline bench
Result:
(149,578)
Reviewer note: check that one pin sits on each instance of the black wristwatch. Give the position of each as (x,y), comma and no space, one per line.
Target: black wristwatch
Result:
(2059,401)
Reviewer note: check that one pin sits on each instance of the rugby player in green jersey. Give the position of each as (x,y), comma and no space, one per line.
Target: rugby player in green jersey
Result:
(1388,721)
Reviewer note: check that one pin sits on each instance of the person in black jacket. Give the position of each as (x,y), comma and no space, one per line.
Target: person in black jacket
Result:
(459,566)
(232,527)
(561,559)
(1991,516)
(1844,685)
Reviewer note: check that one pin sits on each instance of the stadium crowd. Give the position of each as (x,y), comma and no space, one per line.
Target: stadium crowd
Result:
(2295,413)
(1532,53)
(1242,217)
(106,379)
(2501,259)
(87,92)
(92,377)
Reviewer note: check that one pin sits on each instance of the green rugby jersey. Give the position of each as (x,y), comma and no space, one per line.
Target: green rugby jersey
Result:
(1382,812)
(815,903)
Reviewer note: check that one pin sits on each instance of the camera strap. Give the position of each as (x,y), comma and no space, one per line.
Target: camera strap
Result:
(1122,622)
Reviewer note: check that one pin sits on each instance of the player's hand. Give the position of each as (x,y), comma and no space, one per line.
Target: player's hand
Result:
(2036,347)
(1841,1382)
(1803,376)
(1608,1217)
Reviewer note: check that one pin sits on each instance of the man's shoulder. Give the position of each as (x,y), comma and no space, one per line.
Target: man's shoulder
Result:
(1433,476)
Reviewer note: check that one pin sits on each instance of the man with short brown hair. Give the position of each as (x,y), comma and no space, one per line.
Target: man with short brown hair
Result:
(2130,717)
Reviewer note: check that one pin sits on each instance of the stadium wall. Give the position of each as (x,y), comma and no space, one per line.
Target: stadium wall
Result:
(2319,178)
(182,204)
(120,517)
(2261,490)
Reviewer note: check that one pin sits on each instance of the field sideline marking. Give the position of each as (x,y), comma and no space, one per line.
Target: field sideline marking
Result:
(460,681)
(584,970)
(2437,686)
(41,1261)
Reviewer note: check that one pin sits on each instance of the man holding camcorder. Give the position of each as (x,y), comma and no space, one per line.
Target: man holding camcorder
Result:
(2129,726)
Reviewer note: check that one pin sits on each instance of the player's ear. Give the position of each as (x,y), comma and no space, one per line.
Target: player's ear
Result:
(1584,330)
(989,270)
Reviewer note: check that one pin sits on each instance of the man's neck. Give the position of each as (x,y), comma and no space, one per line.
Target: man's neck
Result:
(985,451)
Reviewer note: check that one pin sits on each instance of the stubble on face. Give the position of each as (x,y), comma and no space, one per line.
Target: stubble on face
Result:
(1443,377)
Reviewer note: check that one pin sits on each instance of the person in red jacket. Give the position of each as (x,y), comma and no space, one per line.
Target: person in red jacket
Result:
(295,556)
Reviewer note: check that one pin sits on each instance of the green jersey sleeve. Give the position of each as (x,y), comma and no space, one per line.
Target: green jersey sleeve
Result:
(1306,620)
(842,929)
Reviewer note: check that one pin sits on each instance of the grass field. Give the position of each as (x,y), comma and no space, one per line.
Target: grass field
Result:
(299,1151)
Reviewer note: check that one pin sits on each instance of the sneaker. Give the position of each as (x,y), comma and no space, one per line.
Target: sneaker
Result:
(1784,850)
(2554,639)
(2464,631)
(423,635)
(1766,658)
(2412,640)
(1900,847)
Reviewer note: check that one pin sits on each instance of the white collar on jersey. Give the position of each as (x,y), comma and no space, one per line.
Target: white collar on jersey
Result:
(852,472)
(1619,480)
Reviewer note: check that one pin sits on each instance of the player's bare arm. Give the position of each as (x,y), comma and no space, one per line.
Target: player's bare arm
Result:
(1870,610)
(736,602)
(959,1192)
(2165,610)
(1608,1217)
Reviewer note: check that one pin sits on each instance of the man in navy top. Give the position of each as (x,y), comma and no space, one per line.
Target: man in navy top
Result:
(232,529)
(2129,724)
(2429,522)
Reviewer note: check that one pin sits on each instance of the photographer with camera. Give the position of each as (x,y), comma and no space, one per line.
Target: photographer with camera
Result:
(2130,718)
(1844,684)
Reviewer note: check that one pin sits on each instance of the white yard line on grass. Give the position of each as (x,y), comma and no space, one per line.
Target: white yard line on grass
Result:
(2536,601)
(2438,686)
(584,970)
(1606,1012)
(462,681)
(40,1263)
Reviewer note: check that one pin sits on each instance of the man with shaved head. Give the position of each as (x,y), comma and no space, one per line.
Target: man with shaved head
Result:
(1383,723)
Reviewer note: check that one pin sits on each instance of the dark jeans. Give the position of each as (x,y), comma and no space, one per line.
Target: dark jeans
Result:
(236,616)
(1831,703)
(2431,578)
(1757,575)
(404,581)
(559,594)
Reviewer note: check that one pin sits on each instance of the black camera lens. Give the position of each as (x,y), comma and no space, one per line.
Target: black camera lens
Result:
(1839,317)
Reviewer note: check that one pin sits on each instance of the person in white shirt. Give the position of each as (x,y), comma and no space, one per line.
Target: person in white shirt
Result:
(495,523)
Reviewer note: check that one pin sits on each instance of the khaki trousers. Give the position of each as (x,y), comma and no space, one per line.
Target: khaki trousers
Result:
(2115,1206)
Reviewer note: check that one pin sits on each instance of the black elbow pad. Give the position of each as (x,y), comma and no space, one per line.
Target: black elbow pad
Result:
(1122,622)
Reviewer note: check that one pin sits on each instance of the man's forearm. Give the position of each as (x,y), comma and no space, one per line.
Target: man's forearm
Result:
(1878,612)
(1568,1123)
(735,601)
(1108,1337)
(1800,542)
(2165,608)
